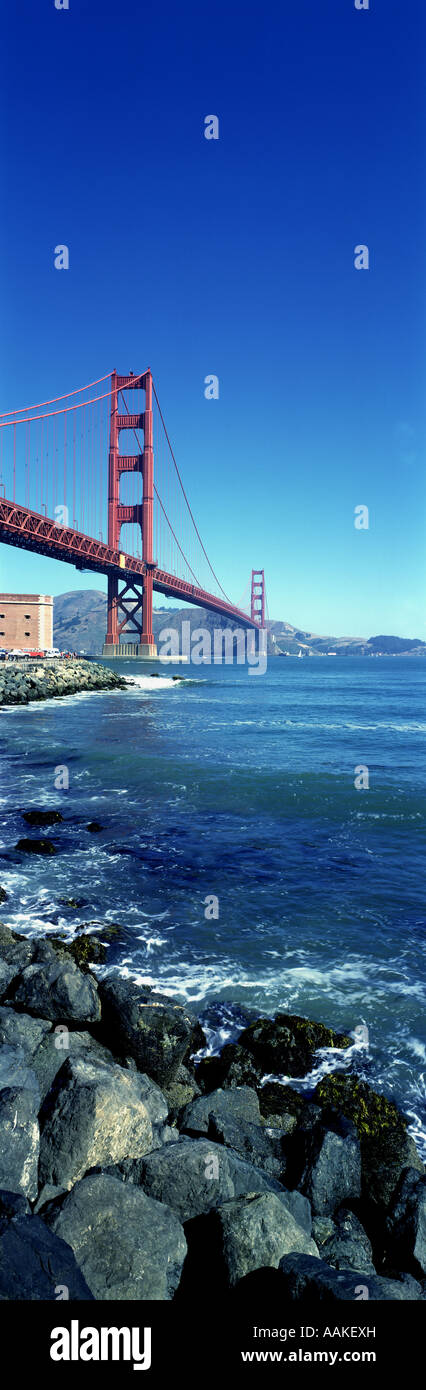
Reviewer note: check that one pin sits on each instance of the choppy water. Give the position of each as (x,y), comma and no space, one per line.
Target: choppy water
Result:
(243,787)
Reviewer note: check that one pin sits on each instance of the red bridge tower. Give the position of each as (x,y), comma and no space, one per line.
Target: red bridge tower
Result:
(130,607)
(257,607)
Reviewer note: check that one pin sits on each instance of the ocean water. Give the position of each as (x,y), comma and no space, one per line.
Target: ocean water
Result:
(242,787)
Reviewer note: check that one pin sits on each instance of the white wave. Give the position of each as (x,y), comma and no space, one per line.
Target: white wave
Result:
(152,682)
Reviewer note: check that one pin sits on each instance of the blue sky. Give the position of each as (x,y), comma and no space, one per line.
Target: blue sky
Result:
(235,257)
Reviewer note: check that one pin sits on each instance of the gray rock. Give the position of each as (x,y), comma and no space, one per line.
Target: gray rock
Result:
(287,1043)
(236,1104)
(417,1289)
(48,1194)
(348,1247)
(39,846)
(127,1245)
(146,1026)
(244,1234)
(256,1145)
(96,1115)
(386,1146)
(56,989)
(232,1117)
(15,1071)
(307,1280)
(331,1167)
(281,1106)
(195,1175)
(406,1224)
(16,950)
(300,1208)
(182,1090)
(7,974)
(234,1067)
(42,817)
(19,1138)
(59,1044)
(12,1204)
(21,1030)
(46,1047)
(35,1264)
(322,1228)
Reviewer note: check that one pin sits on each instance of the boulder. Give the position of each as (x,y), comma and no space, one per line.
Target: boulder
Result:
(7,974)
(258,1231)
(85,950)
(56,989)
(146,1026)
(234,1067)
(15,1069)
(198,1040)
(237,1105)
(300,1208)
(35,1264)
(46,1048)
(95,1115)
(232,1117)
(243,1234)
(322,1228)
(180,1092)
(280,1106)
(325,1164)
(22,1031)
(127,1245)
(194,1175)
(306,1280)
(287,1043)
(386,1147)
(417,1289)
(59,1044)
(19,1136)
(348,1246)
(17,950)
(262,1147)
(12,1204)
(406,1224)
(42,817)
(35,846)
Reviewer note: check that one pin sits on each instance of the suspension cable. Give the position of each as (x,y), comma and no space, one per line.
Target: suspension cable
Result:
(138,441)
(186,499)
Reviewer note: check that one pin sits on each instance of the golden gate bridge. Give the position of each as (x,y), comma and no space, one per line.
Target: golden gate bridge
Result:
(59,499)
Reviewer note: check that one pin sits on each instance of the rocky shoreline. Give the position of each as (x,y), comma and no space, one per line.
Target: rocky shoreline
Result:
(132,1167)
(23,681)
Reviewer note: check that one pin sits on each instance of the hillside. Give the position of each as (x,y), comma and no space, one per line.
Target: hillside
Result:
(79,624)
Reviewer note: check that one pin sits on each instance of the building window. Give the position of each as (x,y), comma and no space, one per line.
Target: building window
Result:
(27,634)
(27,615)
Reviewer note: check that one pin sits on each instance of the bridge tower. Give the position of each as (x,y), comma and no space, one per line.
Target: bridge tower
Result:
(257,606)
(130,605)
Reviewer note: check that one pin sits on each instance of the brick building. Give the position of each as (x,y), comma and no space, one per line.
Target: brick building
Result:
(26,620)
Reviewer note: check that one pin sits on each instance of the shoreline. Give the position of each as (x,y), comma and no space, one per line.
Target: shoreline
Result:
(21,683)
(193,1170)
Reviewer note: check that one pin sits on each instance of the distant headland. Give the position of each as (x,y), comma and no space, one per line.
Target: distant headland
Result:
(79,620)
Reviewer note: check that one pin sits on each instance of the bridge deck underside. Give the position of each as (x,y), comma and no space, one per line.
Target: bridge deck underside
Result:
(30,531)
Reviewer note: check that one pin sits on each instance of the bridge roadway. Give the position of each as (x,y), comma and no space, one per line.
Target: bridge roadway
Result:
(19,526)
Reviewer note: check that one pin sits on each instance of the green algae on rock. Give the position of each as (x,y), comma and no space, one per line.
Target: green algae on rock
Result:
(386,1146)
(85,950)
(287,1043)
